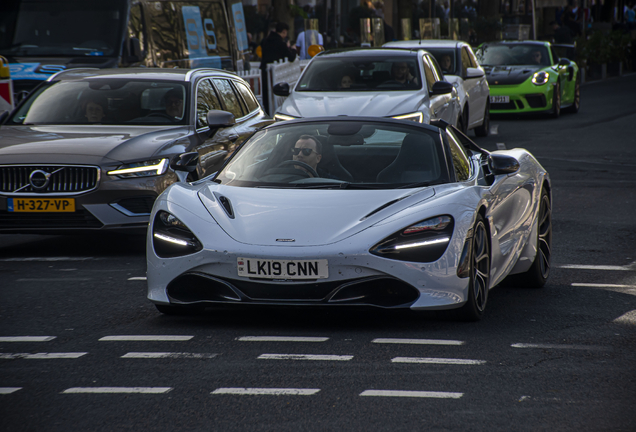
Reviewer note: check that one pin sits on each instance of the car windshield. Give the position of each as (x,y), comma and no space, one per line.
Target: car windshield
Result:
(61,27)
(336,73)
(105,101)
(513,55)
(339,155)
(445,58)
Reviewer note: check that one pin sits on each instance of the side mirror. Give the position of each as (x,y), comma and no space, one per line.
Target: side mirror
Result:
(563,62)
(474,73)
(441,87)
(133,54)
(281,89)
(185,162)
(218,118)
(503,164)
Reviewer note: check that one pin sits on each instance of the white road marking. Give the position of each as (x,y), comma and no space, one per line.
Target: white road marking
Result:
(155,355)
(627,318)
(598,267)
(53,279)
(9,390)
(407,393)
(501,146)
(138,278)
(494,129)
(42,356)
(26,338)
(130,338)
(305,357)
(282,339)
(417,341)
(266,391)
(152,390)
(48,259)
(595,285)
(430,360)
(559,346)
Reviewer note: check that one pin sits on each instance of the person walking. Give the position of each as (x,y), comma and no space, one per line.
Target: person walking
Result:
(274,47)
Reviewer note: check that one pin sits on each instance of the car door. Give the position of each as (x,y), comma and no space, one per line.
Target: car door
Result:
(439,105)
(566,78)
(473,90)
(213,147)
(254,118)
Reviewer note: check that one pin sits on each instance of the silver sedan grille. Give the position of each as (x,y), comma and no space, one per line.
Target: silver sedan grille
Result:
(48,179)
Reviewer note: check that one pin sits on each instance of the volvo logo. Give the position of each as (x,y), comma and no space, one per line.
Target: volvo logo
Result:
(39,179)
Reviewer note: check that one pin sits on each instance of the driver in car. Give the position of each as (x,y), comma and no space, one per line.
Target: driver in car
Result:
(174,104)
(309,151)
(401,73)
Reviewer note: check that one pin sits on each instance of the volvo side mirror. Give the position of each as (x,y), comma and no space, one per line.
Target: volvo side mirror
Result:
(218,118)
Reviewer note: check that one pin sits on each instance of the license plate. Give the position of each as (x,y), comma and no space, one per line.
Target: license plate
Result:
(499,99)
(282,269)
(41,205)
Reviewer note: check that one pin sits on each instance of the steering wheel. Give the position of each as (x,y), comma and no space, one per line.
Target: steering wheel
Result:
(307,167)
(161,114)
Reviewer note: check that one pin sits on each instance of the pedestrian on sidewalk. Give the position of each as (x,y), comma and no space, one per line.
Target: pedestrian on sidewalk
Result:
(274,47)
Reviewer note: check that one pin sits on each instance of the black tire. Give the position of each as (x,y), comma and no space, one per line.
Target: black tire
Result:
(576,105)
(484,129)
(178,310)
(538,274)
(460,122)
(556,102)
(479,279)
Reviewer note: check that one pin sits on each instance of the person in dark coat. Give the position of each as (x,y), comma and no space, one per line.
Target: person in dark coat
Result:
(274,47)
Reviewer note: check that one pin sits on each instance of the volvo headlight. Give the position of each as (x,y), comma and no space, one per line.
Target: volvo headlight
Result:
(172,238)
(424,241)
(540,78)
(141,169)
(283,117)
(416,117)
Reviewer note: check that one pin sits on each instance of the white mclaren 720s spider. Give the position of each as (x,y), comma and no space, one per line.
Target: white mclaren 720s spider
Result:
(350,211)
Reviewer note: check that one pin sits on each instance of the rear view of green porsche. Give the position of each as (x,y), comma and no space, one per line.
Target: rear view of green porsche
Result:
(529,77)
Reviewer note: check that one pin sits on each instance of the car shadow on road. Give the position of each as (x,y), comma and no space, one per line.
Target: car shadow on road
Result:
(25,246)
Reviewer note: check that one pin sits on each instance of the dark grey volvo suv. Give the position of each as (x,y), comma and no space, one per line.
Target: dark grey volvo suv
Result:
(91,149)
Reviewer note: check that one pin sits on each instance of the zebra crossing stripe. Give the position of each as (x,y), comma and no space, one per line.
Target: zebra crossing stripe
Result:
(266,391)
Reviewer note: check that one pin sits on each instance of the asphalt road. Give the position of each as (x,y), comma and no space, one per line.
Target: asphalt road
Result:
(561,358)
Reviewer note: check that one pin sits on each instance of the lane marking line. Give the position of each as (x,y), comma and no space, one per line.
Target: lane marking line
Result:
(598,267)
(265,391)
(501,146)
(430,360)
(281,339)
(494,129)
(156,355)
(560,346)
(26,338)
(42,356)
(48,259)
(406,393)
(595,285)
(305,357)
(138,278)
(53,280)
(129,338)
(9,390)
(417,341)
(151,390)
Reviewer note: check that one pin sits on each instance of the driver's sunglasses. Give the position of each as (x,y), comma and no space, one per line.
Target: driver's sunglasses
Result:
(306,151)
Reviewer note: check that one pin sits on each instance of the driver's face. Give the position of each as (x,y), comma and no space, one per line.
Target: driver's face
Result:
(311,160)
(536,56)
(446,63)
(174,107)
(400,71)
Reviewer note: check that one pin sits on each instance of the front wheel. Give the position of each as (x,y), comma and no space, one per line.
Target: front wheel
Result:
(556,102)
(479,279)
(484,129)
(576,103)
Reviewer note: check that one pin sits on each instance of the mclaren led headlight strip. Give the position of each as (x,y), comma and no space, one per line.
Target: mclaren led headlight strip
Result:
(424,243)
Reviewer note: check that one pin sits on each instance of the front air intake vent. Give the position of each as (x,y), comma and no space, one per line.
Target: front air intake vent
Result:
(227,205)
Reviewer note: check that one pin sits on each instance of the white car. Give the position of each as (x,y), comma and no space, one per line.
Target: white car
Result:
(461,68)
(371,82)
(351,211)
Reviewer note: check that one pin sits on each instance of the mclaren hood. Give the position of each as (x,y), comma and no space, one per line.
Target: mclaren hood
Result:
(509,75)
(301,217)
(376,104)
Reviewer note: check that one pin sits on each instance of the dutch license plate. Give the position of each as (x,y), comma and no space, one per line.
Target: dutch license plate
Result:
(282,269)
(41,205)
(499,99)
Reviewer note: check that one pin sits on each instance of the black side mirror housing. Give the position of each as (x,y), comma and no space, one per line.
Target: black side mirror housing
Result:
(281,89)
(185,162)
(133,51)
(563,62)
(218,118)
(503,164)
(440,88)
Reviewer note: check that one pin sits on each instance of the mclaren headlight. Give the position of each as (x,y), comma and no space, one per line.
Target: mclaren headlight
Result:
(141,169)
(416,117)
(172,238)
(424,241)
(540,78)
(283,117)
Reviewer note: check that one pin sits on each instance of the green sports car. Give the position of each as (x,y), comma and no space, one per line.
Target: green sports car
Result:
(529,77)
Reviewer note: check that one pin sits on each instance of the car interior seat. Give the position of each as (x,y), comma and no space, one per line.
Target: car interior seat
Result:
(330,163)
(416,162)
